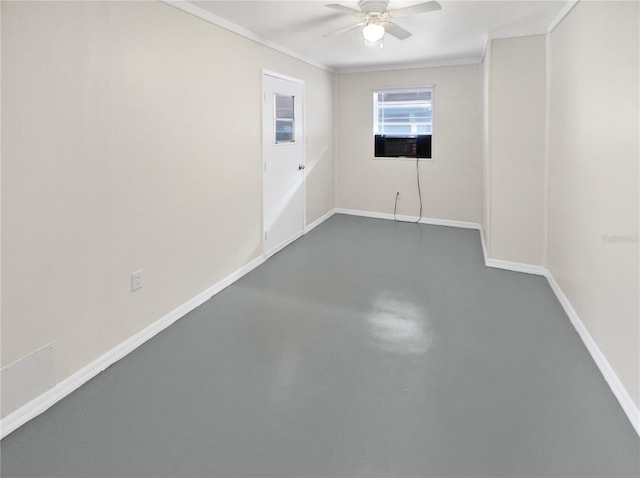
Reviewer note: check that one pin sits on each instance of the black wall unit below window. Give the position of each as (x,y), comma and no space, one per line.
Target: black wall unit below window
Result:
(415,146)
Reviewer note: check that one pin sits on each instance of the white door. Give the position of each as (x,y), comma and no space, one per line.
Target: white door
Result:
(284,162)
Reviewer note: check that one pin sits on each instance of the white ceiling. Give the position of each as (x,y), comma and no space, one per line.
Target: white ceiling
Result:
(456,34)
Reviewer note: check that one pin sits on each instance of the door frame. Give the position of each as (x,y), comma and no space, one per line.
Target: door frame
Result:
(265,72)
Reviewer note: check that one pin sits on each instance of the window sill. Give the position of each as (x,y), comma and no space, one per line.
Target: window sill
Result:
(401,158)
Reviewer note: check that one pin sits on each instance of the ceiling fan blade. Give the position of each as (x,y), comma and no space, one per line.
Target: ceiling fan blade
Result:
(396,31)
(343,9)
(345,29)
(415,9)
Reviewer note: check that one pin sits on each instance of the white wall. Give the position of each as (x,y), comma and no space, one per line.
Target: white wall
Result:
(451,183)
(486,147)
(593,176)
(514,209)
(131,139)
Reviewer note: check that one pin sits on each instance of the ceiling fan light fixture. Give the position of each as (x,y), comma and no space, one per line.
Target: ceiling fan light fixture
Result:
(378,44)
(373,32)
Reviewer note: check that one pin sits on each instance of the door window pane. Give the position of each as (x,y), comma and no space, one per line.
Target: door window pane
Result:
(284,118)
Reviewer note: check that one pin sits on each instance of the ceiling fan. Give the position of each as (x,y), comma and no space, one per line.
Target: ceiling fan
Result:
(375,19)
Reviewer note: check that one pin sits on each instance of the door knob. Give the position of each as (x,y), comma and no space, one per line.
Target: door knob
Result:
(301,167)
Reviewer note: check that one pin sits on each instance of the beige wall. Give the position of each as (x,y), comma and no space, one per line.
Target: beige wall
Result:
(451,183)
(516,136)
(486,147)
(131,139)
(593,176)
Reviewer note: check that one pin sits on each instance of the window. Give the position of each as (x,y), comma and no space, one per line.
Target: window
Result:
(403,111)
(284,118)
(403,122)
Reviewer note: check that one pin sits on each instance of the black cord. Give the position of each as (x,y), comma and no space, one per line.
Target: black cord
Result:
(395,206)
(419,189)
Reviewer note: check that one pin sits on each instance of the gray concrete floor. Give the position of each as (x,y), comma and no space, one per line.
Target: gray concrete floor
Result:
(366,348)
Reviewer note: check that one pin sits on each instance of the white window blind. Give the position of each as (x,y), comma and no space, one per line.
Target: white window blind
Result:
(284,119)
(407,111)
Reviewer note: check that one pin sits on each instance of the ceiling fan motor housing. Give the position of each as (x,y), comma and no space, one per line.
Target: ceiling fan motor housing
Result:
(371,6)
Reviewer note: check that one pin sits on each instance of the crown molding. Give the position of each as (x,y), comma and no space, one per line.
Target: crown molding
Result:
(207,16)
(410,66)
(563,13)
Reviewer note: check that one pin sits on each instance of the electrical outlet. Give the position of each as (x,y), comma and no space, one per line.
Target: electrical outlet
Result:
(136,280)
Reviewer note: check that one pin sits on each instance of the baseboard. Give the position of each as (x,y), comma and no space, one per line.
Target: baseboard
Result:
(319,221)
(414,219)
(306,230)
(619,391)
(450,223)
(357,212)
(515,266)
(278,248)
(37,406)
(484,245)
